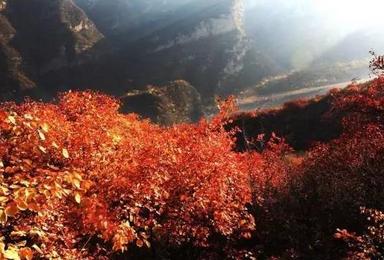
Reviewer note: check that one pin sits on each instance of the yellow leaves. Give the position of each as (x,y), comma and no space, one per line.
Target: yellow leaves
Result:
(45,127)
(16,251)
(76,180)
(4,191)
(55,145)
(41,135)
(11,253)
(11,119)
(77,176)
(11,210)
(124,236)
(147,243)
(28,116)
(116,139)
(42,149)
(76,183)
(38,249)
(3,199)
(77,197)
(65,153)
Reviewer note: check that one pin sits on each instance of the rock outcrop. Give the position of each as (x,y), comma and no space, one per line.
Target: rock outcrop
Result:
(175,102)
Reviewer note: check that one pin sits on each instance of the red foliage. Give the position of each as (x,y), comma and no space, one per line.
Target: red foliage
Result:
(79,171)
(81,180)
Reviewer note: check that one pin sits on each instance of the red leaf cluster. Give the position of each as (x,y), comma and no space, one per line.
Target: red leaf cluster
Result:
(80,179)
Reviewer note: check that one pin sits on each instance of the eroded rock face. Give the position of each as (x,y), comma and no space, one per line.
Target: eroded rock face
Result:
(12,76)
(39,36)
(50,33)
(175,102)
(203,42)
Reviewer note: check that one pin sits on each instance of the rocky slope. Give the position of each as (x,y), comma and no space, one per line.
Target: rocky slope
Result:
(116,46)
(175,102)
(40,36)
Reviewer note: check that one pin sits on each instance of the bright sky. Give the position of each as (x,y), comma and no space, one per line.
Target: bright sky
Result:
(353,13)
(343,13)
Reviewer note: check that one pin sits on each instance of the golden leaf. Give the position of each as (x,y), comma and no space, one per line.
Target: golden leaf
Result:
(12,120)
(37,248)
(54,144)
(65,153)
(41,148)
(2,247)
(4,190)
(77,175)
(76,183)
(11,210)
(45,127)
(11,253)
(28,116)
(57,193)
(3,199)
(1,164)
(41,135)
(77,197)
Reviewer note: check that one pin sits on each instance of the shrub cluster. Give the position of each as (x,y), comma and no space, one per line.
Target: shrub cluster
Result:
(79,180)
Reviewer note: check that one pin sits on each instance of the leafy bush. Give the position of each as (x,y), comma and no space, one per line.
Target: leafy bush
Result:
(80,180)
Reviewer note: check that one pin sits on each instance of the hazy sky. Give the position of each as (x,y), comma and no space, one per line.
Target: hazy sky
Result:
(344,13)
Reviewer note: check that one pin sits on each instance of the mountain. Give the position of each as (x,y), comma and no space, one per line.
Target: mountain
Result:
(220,47)
(199,41)
(175,102)
(40,36)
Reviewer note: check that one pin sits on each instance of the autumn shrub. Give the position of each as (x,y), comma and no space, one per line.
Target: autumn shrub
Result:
(329,181)
(80,180)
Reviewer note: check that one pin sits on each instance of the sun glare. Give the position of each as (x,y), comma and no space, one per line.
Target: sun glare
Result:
(353,13)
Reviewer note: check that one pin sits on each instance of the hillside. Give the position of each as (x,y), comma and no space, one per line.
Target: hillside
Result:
(220,47)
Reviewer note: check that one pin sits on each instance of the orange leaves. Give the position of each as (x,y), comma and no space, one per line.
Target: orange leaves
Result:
(80,169)
(11,210)
(26,253)
(3,217)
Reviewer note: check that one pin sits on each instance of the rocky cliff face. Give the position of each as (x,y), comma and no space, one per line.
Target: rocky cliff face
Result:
(175,102)
(203,42)
(50,33)
(12,76)
(39,36)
